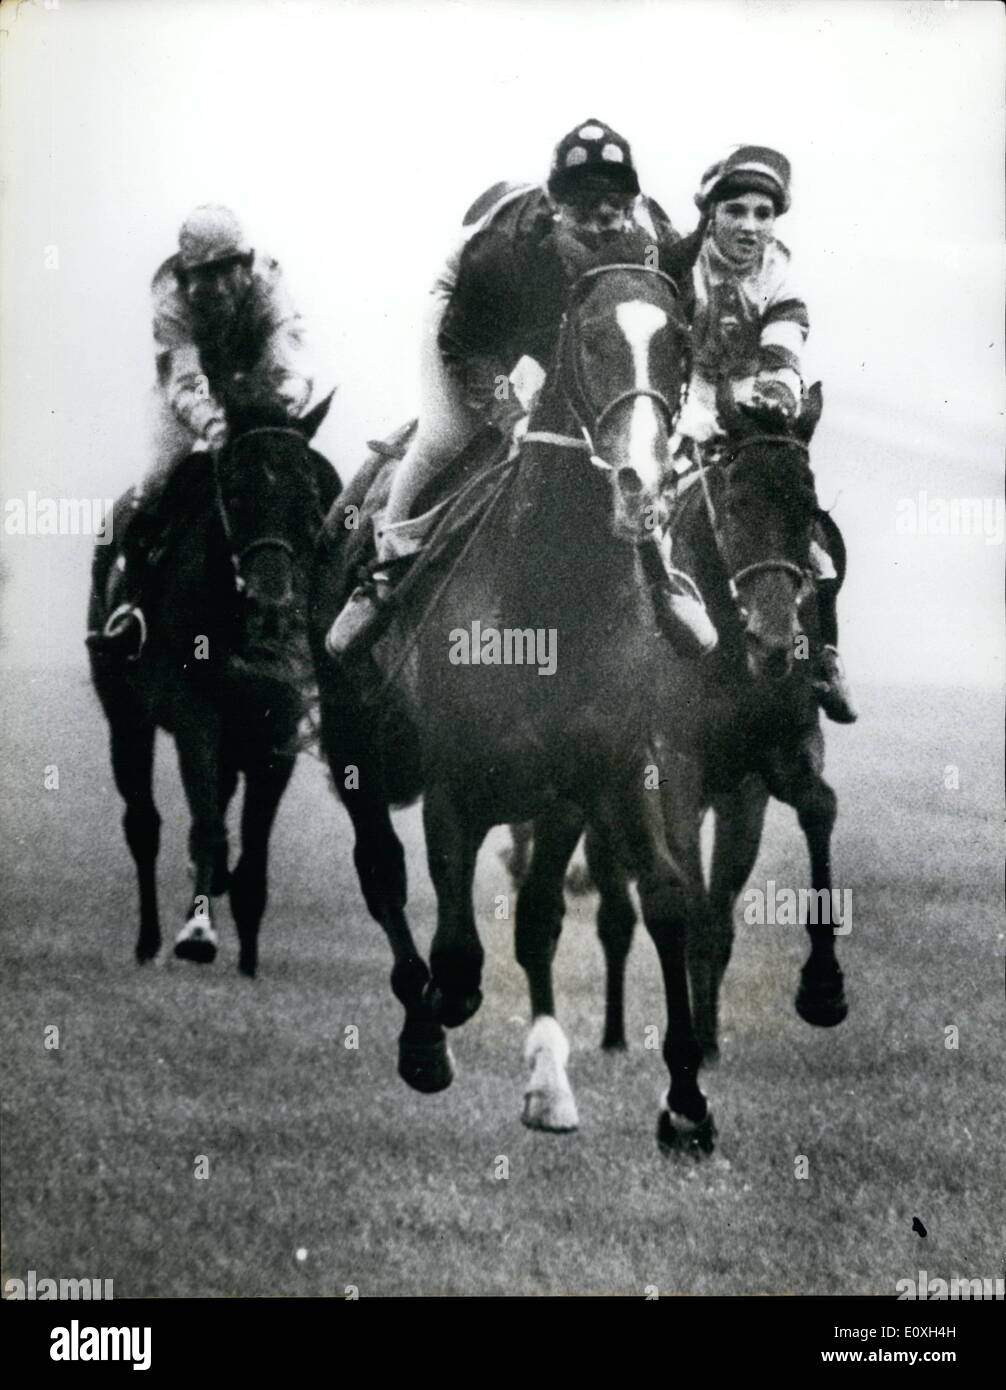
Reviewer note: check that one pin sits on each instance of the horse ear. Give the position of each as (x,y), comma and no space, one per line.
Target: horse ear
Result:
(310,423)
(810,415)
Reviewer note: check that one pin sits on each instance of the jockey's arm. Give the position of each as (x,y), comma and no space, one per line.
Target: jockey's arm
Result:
(784,328)
(189,395)
(482,316)
(283,373)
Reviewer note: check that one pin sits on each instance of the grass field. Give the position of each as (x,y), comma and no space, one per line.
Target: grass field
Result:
(318,1148)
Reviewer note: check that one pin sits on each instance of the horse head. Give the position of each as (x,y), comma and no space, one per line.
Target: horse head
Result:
(272,494)
(764,524)
(623,365)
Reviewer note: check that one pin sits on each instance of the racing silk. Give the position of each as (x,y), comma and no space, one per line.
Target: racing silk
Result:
(260,359)
(749,325)
(507,281)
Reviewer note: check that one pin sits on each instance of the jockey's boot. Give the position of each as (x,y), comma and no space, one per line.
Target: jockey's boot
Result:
(682,616)
(831,688)
(370,606)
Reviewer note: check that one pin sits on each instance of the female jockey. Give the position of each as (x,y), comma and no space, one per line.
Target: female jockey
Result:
(500,297)
(750,326)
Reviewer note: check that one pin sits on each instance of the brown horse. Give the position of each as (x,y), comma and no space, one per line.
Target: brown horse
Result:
(528,689)
(228,607)
(742,725)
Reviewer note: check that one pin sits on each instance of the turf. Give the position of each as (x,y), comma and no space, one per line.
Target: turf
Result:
(326,1172)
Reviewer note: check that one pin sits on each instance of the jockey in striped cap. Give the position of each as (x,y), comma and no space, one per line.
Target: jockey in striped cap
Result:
(750,326)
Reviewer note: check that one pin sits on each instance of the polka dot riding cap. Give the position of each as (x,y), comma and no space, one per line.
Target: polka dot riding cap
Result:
(592,155)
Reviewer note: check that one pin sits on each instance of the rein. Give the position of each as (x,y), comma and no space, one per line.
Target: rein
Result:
(803,581)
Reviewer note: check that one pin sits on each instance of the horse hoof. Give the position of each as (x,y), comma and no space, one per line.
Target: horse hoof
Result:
(201,952)
(552,1114)
(148,955)
(451,1010)
(426,1067)
(197,941)
(615,1043)
(248,968)
(710,1054)
(678,1135)
(822,1001)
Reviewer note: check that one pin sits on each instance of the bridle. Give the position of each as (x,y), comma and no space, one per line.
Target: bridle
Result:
(570,379)
(802,578)
(239,557)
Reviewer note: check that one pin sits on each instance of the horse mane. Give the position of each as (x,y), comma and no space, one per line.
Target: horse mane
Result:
(785,472)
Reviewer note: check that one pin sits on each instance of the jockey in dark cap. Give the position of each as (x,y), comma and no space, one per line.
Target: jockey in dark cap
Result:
(500,298)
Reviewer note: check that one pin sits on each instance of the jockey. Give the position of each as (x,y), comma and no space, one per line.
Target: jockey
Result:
(750,326)
(500,298)
(228,340)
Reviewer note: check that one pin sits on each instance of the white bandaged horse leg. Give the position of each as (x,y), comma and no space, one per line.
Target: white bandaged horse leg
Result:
(548,1096)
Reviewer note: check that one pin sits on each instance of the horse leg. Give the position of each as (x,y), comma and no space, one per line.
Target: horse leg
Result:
(516,855)
(668,866)
(198,743)
(740,815)
(456,955)
(616,922)
(228,786)
(820,999)
(265,784)
(548,1098)
(424,1059)
(132,749)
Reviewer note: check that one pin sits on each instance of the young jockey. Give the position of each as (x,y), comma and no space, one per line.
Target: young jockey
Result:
(501,297)
(228,339)
(750,326)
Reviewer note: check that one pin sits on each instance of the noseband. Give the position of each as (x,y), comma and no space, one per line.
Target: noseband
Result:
(238,557)
(804,583)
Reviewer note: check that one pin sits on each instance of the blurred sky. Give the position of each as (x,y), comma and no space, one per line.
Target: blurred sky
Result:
(351,137)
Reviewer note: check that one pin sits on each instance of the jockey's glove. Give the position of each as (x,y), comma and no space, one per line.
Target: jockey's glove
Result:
(775,397)
(215,433)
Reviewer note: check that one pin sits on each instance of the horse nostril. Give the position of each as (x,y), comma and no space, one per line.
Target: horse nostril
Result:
(629,482)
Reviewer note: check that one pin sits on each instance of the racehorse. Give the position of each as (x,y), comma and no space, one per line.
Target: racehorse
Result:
(228,612)
(489,737)
(742,725)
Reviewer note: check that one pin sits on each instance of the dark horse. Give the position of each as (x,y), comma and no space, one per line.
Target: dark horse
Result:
(229,589)
(742,725)
(555,569)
